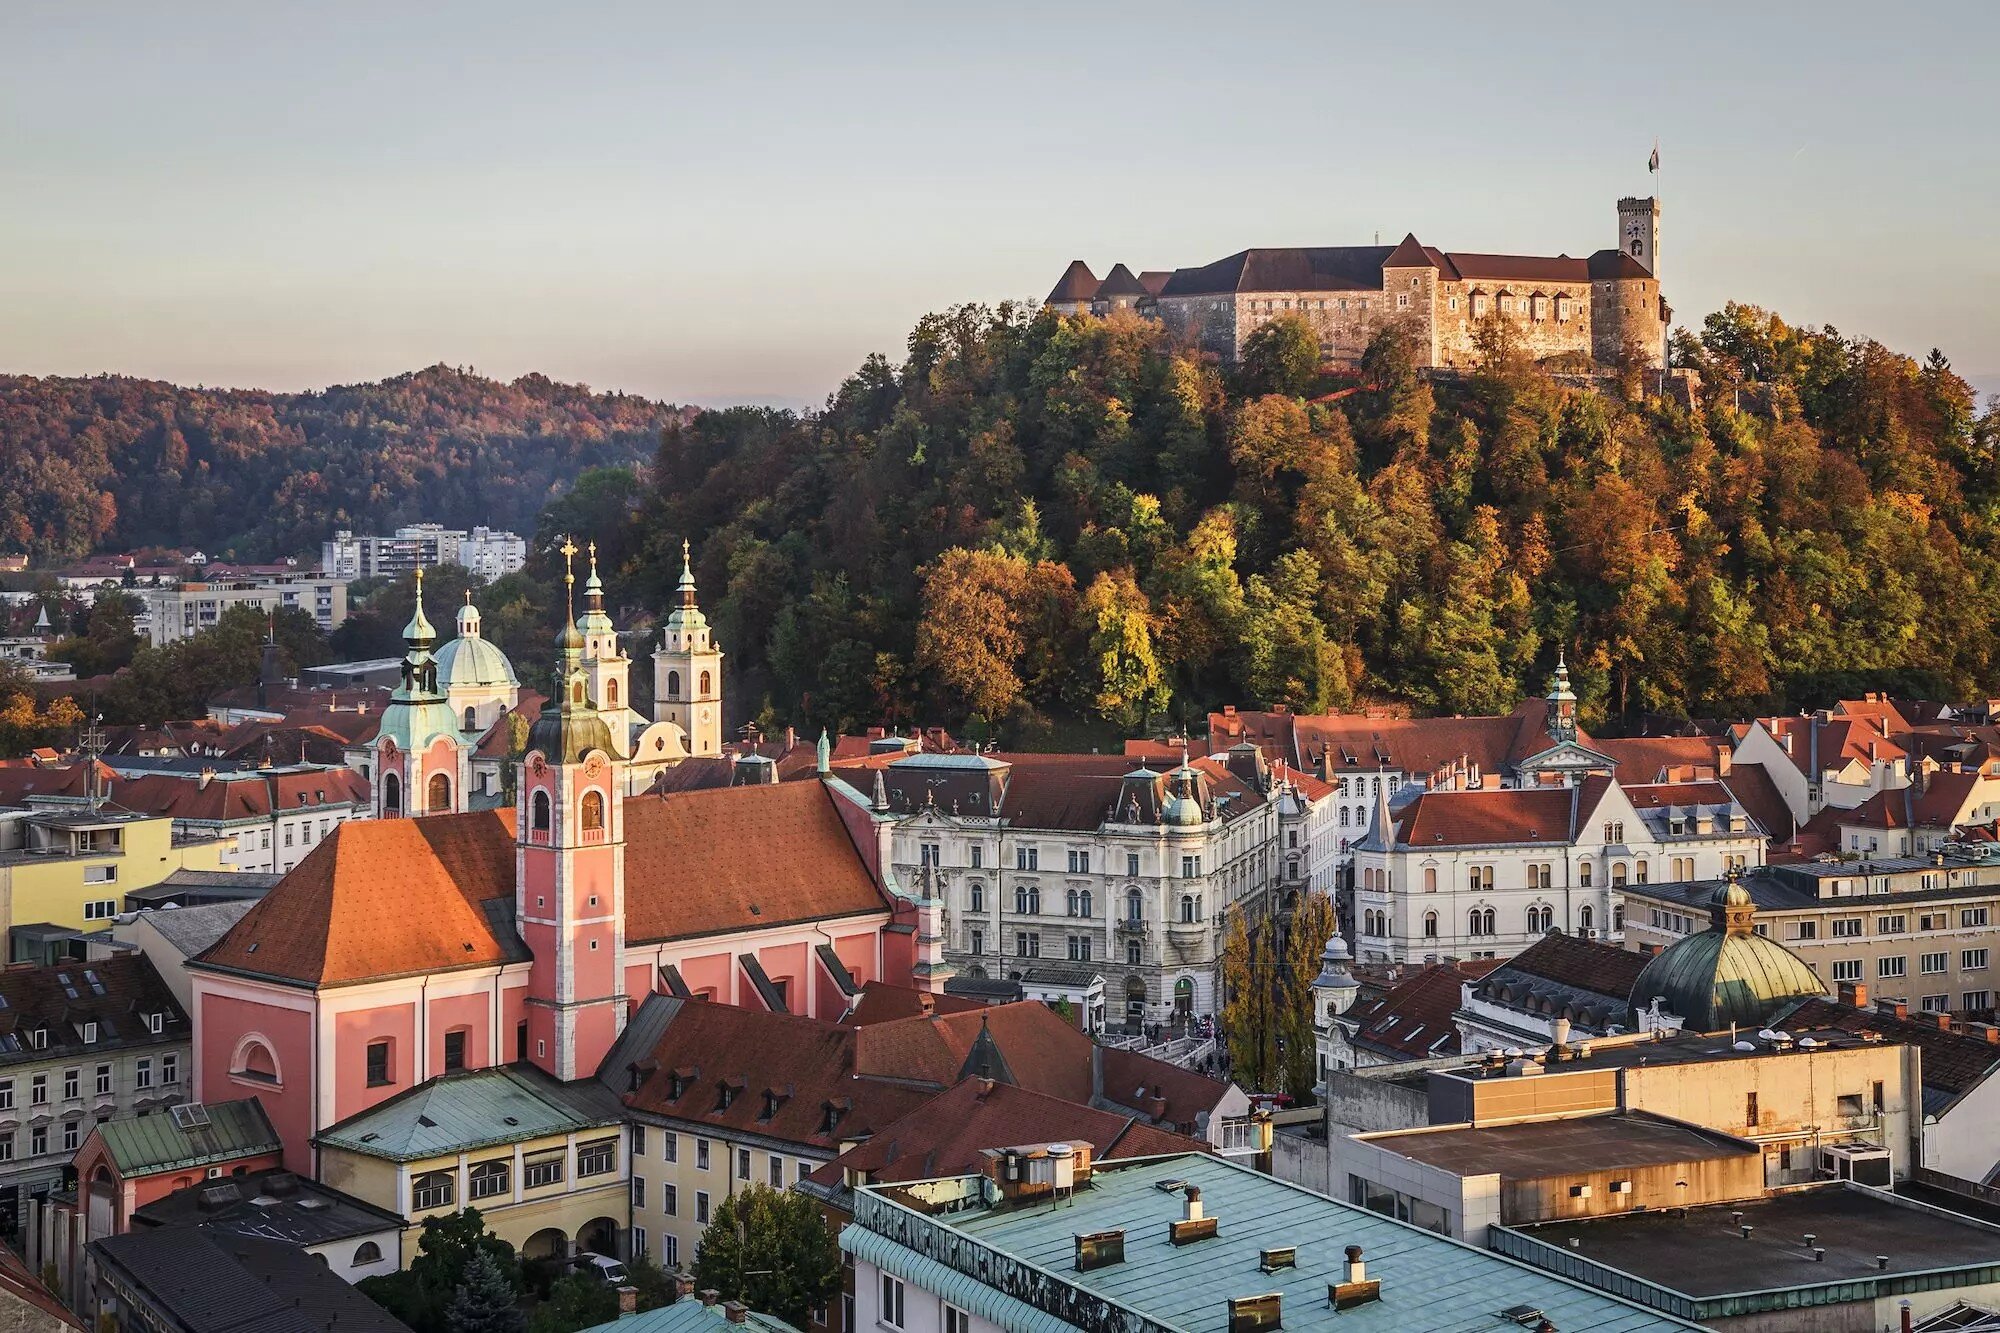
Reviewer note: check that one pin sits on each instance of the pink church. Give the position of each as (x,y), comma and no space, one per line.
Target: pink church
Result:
(406,948)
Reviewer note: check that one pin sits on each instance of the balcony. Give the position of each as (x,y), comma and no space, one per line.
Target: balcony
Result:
(1136,928)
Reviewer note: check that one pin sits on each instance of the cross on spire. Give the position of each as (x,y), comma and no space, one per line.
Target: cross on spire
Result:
(568,549)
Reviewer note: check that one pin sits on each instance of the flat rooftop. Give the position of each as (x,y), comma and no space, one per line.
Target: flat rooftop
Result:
(1680,1048)
(1428,1281)
(1533,1150)
(1704,1254)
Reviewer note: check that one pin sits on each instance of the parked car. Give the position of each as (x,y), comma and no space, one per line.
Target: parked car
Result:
(603,1267)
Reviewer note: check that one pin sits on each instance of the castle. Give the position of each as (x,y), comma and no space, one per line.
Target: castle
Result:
(1606,307)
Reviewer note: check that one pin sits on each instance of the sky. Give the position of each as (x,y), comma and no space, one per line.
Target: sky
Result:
(731,203)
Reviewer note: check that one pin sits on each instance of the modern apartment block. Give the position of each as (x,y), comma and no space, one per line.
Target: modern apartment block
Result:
(482,550)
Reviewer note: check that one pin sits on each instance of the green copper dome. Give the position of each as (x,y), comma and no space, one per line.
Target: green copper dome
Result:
(1728,973)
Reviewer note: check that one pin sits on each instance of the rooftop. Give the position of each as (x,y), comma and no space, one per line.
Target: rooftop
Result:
(1532,1150)
(269,1205)
(1701,1265)
(474,1108)
(691,1316)
(207,1282)
(1027,1253)
(144,1145)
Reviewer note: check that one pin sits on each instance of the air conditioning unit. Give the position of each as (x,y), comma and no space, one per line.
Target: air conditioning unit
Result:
(1860,1163)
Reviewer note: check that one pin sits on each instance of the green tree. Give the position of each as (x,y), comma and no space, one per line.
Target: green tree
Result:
(1293,661)
(1311,924)
(1280,356)
(772,1250)
(1126,683)
(485,1301)
(575,1301)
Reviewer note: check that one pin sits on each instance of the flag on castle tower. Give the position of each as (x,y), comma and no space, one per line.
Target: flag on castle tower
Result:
(1653,162)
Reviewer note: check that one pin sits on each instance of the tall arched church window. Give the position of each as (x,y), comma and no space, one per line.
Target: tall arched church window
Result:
(593,811)
(392,794)
(611,692)
(673,684)
(705,685)
(439,799)
(538,818)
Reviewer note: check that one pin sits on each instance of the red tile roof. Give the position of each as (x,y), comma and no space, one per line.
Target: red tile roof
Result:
(1936,805)
(1754,790)
(383,898)
(881,1002)
(947,1134)
(1836,741)
(251,795)
(779,1073)
(1604,969)
(1487,818)
(1412,1020)
(1644,759)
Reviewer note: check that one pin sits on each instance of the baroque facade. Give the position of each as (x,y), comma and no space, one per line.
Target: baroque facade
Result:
(1601,310)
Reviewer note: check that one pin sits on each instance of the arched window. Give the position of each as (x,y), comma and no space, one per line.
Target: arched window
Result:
(254,1061)
(487,1179)
(433,1189)
(1430,879)
(439,798)
(1430,925)
(1583,874)
(611,692)
(538,818)
(576,693)
(1585,918)
(392,795)
(705,686)
(1072,902)
(978,897)
(1618,916)
(1540,919)
(1617,874)
(471,718)
(1134,909)
(1188,909)
(1472,920)
(1083,903)
(367,1252)
(593,812)
(1486,922)
(673,684)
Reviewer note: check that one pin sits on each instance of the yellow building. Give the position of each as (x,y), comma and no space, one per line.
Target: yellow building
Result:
(65,870)
(543,1162)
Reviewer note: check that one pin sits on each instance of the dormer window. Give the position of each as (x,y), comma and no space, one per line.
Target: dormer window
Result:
(156,1023)
(89,1034)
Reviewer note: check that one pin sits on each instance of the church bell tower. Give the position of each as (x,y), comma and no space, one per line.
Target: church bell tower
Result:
(687,671)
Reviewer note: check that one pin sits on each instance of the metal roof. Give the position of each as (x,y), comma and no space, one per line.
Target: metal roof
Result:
(473,1109)
(686,1316)
(148,1144)
(1027,1254)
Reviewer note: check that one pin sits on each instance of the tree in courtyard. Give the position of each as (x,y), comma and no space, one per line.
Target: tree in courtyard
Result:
(485,1302)
(772,1250)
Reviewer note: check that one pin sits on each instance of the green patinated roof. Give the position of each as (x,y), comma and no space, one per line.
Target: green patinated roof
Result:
(1727,974)
(474,1109)
(145,1145)
(1429,1281)
(690,1316)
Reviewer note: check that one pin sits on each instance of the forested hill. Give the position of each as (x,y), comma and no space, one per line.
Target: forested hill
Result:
(115,463)
(1036,517)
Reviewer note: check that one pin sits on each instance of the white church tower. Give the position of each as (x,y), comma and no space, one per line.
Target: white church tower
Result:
(687,671)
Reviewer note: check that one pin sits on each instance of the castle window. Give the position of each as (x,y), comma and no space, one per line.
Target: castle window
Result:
(593,812)
(392,795)
(673,684)
(538,818)
(1403,301)
(1451,303)
(439,799)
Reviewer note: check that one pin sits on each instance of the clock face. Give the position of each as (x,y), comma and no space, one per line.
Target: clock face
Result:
(707,713)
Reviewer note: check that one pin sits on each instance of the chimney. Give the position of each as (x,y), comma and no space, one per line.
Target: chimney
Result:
(1854,993)
(1943,1022)
(1194,1225)
(1893,1008)
(736,1312)
(926,1002)
(1192,1212)
(1907,1326)
(709,1295)
(1559,1031)
(1356,1270)
(1357,1288)
(628,1302)
(683,1286)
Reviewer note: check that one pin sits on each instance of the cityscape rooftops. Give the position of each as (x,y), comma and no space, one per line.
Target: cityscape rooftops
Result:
(201,1281)
(145,1145)
(1731,1260)
(273,1204)
(1016,1263)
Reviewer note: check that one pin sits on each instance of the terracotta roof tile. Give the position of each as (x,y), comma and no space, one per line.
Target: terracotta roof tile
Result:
(947,1134)
(1489,818)
(1643,759)
(1603,969)
(881,1002)
(1413,1019)
(1936,805)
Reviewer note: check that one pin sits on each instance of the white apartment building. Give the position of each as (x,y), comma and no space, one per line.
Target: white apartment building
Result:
(1101,861)
(1821,760)
(1483,874)
(487,552)
(179,611)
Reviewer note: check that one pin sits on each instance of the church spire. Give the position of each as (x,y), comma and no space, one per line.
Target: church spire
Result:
(687,576)
(1562,703)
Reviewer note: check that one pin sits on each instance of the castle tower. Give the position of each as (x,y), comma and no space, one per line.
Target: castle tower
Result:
(687,671)
(421,764)
(1334,992)
(606,669)
(570,873)
(1639,231)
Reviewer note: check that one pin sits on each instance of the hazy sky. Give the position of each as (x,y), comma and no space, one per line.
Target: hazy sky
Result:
(722,202)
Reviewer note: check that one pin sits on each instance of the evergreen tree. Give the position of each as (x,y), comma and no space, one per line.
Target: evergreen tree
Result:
(485,1302)
(772,1250)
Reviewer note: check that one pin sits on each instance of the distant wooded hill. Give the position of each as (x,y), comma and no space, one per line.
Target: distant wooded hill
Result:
(115,463)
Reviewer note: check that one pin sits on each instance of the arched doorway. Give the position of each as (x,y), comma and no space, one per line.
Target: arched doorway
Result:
(1135,1003)
(1184,999)
(598,1236)
(103,1220)
(547,1243)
